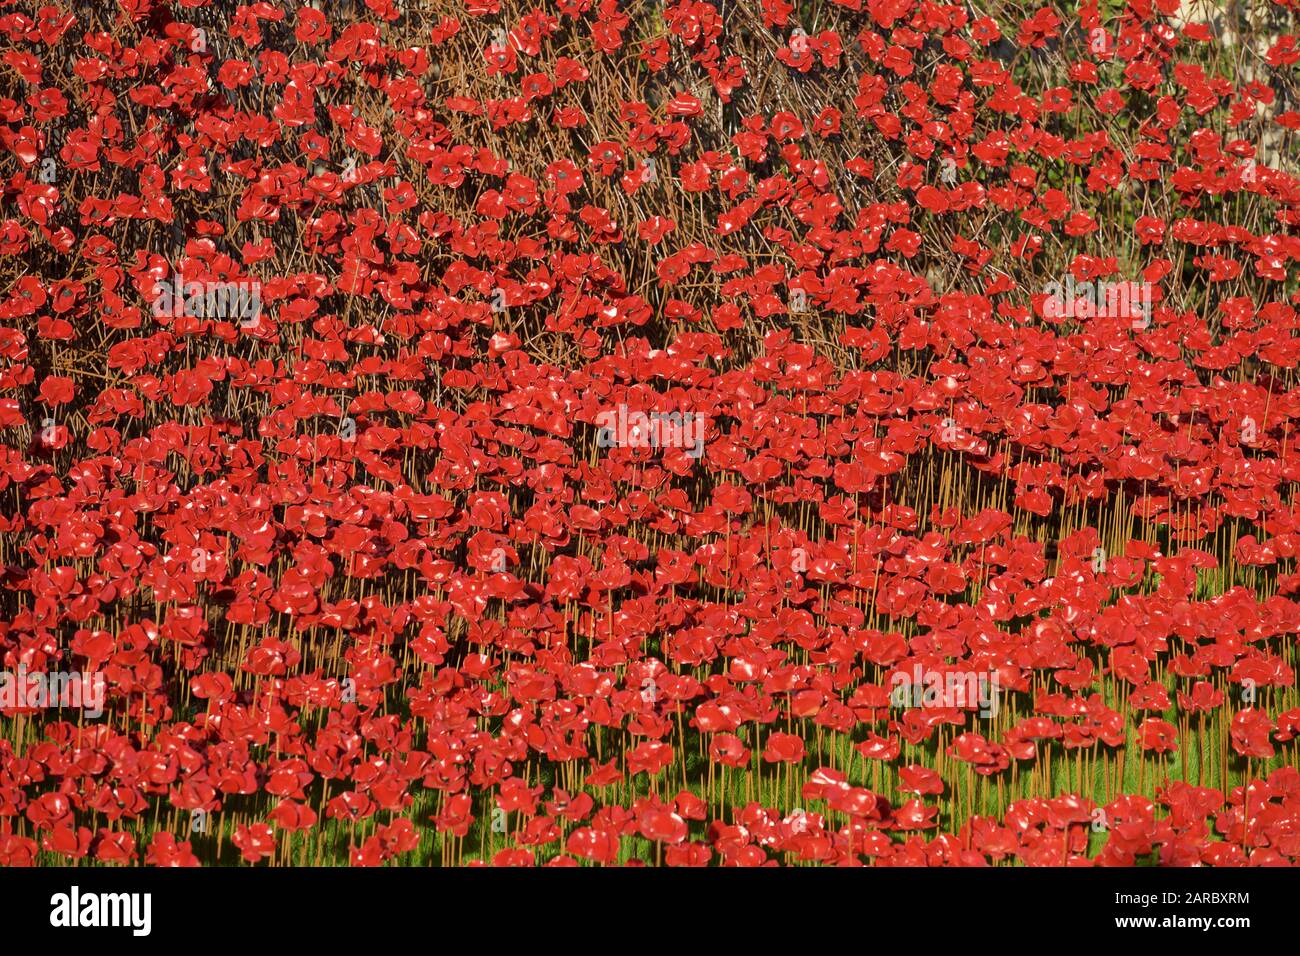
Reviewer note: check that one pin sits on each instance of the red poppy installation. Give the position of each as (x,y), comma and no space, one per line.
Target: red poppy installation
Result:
(667,432)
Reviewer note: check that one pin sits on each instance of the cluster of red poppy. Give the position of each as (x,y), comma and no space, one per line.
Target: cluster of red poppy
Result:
(369,579)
